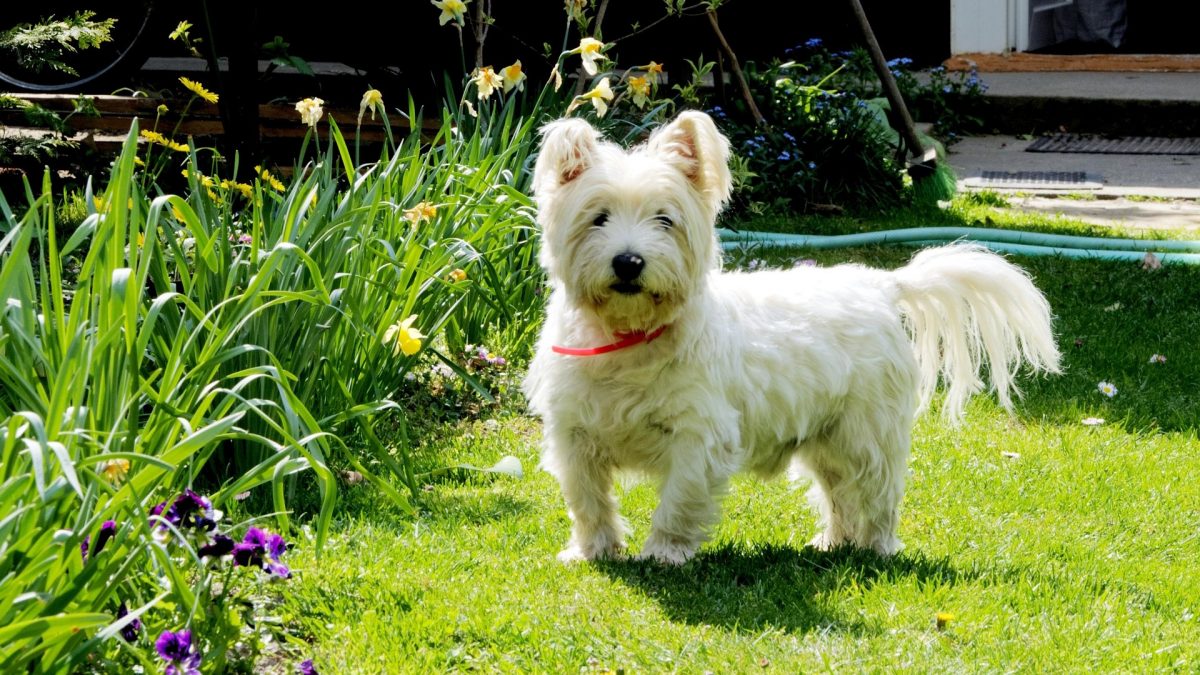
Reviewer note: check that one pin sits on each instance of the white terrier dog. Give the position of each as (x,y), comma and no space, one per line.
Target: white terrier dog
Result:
(652,359)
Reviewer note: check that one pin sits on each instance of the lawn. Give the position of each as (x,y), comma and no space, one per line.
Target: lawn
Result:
(1034,543)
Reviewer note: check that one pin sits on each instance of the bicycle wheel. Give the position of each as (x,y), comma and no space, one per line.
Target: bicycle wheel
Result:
(93,67)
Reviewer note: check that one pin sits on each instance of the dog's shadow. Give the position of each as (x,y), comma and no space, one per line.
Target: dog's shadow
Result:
(772,586)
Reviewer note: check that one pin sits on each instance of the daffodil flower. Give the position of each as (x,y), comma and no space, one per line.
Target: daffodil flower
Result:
(310,111)
(513,77)
(590,50)
(599,96)
(114,470)
(640,88)
(451,9)
(422,211)
(199,90)
(487,81)
(370,99)
(403,337)
(653,70)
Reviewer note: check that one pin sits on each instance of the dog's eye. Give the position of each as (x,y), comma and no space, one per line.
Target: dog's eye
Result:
(600,220)
(664,220)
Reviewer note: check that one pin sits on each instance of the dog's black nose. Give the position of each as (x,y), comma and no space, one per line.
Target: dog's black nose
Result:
(628,266)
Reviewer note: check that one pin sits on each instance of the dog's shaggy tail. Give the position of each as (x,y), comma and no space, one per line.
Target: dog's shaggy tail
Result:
(964,303)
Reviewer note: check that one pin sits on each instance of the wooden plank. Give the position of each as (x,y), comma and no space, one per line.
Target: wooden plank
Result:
(1020,62)
(147,108)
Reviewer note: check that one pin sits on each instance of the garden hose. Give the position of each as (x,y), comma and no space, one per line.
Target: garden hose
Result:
(1004,241)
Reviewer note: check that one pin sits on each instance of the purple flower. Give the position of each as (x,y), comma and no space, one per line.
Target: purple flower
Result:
(249,553)
(307,668)
(219,546)
(179,653)
(107,531)
(157,509)
(262,550)
(785,156)
(812,43)
(131,629)
(190,509)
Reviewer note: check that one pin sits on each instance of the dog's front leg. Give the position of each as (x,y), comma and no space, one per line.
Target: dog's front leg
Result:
(687,506)
(586,479)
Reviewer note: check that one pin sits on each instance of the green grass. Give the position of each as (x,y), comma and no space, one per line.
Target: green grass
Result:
(1056,546)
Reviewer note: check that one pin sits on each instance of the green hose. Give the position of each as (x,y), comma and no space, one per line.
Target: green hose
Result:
(1005,241)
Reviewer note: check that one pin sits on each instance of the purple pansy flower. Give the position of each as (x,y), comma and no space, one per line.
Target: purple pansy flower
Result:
(262,550)
(219,546)
(192,510)
(131,629)
(107,531)
(307,667)
(179,653)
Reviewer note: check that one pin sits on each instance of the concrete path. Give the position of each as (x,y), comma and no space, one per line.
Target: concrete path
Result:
(1151,191)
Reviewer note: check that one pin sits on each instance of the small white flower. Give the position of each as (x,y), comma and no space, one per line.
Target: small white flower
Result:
(1157,358)
(1092,421)
(1108,389)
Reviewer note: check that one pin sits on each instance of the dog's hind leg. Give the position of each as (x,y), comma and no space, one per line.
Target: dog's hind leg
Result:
(858,480)
(597,530)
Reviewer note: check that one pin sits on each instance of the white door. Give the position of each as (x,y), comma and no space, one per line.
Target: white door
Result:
(997,26)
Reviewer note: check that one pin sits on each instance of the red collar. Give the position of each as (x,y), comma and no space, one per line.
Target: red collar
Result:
(624,339)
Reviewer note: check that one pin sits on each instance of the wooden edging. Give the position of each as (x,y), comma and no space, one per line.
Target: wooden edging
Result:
(1020,62)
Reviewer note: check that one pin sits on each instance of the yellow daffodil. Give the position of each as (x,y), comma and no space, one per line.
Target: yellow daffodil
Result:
(487,81)
(640,88)
(422,211)
(370,100)
(590,50)
(599,96)
(653,70)
(310,111)
(269,179)
(403,337)
(114,470)
(513,77)
(458,275)
(199,90)
(451,9)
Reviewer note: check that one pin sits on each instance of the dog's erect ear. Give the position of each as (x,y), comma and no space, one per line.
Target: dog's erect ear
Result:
(566,152)
(693,143)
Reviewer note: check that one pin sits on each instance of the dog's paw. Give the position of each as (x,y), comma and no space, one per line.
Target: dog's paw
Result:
(575,553)
(667,551)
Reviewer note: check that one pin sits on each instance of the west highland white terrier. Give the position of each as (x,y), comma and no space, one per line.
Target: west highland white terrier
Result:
(654,360)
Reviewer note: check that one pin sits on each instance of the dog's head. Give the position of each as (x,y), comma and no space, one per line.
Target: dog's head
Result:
(628,234)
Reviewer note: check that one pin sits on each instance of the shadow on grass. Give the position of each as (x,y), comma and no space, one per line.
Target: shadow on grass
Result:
(772,586)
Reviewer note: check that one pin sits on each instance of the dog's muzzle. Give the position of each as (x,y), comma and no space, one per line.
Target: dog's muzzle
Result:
(628,267)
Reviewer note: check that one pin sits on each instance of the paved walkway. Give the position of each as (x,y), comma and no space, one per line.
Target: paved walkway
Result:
(1154,191)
